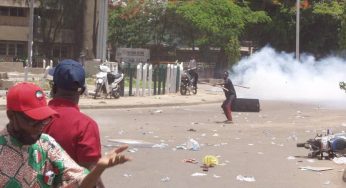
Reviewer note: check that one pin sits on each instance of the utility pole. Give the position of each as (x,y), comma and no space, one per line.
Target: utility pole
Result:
(101,49)
(31,31)
(297,30)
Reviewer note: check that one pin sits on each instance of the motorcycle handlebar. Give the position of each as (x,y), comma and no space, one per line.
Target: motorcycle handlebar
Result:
(300,145)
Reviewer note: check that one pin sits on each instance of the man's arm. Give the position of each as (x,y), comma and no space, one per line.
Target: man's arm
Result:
(112,159)
(91,166)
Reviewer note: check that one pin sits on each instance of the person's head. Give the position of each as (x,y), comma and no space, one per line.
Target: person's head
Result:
(69,80)
(27,112)
(225,75)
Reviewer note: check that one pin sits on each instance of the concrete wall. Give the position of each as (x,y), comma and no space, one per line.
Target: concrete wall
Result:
(13,33)
(17,3)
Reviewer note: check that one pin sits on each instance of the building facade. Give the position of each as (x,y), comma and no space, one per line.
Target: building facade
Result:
(14,31)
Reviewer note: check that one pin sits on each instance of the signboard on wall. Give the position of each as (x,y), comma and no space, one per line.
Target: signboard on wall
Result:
(132,55)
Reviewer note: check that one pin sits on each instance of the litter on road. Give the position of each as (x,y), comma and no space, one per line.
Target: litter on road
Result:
(316,169)
(246,178)
(198,174)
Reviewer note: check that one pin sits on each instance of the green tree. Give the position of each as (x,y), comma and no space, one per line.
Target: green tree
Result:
(140,22)
(342,34)
(220,24)
(319,25)
(52,17)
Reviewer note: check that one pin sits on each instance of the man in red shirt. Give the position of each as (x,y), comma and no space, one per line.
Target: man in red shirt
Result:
(77,133)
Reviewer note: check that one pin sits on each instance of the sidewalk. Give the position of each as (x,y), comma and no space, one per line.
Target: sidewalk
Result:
(205,94)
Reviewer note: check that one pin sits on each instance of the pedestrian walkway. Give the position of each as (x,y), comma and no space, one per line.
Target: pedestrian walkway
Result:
(206,94)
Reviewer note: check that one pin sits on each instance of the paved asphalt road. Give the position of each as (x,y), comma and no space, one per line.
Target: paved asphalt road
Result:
(259,145)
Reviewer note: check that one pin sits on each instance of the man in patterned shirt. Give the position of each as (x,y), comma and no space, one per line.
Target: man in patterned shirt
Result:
(29,158)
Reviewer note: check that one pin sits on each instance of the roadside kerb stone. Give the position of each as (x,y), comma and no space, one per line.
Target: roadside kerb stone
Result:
(206,95)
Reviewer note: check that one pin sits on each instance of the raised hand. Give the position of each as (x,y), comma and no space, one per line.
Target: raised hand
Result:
(114,158)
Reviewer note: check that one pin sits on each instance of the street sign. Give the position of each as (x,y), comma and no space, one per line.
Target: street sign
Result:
(132,55)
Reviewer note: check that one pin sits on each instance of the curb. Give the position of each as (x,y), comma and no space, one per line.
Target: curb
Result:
(84,106)
(145,105)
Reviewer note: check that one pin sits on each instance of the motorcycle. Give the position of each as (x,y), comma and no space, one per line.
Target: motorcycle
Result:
(107,83)
(186,85)
(326,147)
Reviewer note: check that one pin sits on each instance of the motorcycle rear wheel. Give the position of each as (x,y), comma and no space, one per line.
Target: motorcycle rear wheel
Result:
(116,93)
(97,90)
(194,90)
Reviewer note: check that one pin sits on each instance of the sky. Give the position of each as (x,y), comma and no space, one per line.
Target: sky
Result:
(274,75)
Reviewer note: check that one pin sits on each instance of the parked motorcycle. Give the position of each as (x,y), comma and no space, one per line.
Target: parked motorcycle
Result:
(326,147)
(186,85)
(107,83)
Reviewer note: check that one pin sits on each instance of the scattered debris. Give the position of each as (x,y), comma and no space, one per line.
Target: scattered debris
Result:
(193,161)
(198,174)
(205,168)
(339,160)
(161,145)
(291,158)
(210,160)
(246,178)
(216,176)
(183,147)
(317,169)
(127,175)
(165,179)
(156,112)
(133,143)
(293,137)
(133,150)
(192,144)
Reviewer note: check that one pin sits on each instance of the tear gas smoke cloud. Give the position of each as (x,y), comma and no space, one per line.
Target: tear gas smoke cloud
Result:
(273,75)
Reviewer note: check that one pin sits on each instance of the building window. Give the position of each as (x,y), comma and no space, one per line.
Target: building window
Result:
(16,12)
(20,50)
(2,49)
(64,52)
(11,49)
(4,11)
(12,11)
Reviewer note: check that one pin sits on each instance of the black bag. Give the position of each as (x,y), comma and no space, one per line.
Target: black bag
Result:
(245,105)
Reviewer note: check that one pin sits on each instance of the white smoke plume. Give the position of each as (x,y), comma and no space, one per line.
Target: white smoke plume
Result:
(273,75)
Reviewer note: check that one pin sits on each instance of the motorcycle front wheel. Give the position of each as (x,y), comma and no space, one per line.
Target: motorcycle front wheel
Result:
(98,90)
(183,90)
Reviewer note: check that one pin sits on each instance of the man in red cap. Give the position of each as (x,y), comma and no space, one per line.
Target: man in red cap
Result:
(29,158)
(76,132)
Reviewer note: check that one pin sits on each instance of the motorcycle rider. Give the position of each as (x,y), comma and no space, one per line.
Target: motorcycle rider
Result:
(192,69)
(230,95)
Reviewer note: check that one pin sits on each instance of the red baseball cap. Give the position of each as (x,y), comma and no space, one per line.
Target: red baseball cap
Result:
(29,98)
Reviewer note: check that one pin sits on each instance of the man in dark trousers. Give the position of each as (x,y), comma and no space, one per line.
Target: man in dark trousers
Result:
(230,95)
